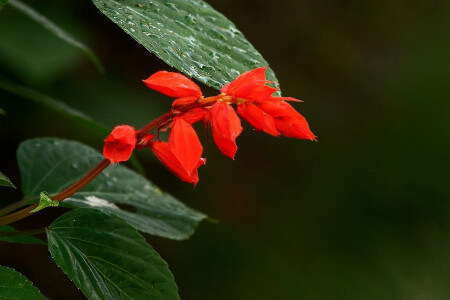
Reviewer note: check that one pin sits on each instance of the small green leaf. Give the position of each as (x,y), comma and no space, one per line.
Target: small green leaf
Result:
(107,258)
(45,201)
(57,31)
(188,35)
(5,181)
(15,286)
(2,112)
(20,239)
(54,164)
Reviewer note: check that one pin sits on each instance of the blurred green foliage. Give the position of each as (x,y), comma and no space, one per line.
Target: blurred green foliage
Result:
(362,214)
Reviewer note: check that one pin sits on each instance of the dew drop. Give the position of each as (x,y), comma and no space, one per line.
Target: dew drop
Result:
(191,19)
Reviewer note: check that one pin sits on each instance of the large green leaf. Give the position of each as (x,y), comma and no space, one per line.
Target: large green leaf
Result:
(21,239)
(51,165)
(107,259)
(5,181)
(188,35)
(56,30)
(14,285)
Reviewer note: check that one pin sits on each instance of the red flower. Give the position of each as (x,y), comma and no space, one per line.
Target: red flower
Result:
(264,111)
(173,84)
(182,154)
(226,127)
(287,120)
(120,143)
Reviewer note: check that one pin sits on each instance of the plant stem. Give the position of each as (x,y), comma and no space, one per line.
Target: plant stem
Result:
(154,124)
(83,181)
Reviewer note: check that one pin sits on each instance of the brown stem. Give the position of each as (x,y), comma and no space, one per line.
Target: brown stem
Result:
(154,124)
(83,181)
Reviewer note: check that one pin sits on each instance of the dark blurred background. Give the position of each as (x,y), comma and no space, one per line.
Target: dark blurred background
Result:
(361,214)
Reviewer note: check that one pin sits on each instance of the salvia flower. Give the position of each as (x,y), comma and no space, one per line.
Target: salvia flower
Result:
(257,105)
(120,143)
(256,102)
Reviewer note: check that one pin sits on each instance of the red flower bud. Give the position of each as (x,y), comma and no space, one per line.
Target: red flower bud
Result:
(120,143)
(173,84)
(182,154)
(226,127)
(257,118)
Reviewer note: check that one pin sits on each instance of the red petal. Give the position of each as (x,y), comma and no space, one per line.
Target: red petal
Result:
(164,154)
(257,118)
(279,109)
(288,121)
(226,127)
(295,128)
(185,145)
(259,92)
(183,101)
(255,76)
(194,115)
(120,143)
(173,84)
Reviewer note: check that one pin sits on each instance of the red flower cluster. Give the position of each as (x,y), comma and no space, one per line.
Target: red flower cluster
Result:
(182,153)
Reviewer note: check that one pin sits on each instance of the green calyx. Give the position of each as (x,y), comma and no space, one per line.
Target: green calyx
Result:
(45,201)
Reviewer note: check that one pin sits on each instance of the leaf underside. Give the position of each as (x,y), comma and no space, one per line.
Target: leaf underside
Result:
(107,258)
(51,165)
(189,35)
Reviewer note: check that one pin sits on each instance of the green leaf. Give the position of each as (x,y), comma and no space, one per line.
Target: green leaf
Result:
(107,259)
(45,201)
(20,239)
(5,181)
(14,285)
(2,112)
(53,164)
(56,30)
(188,35)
